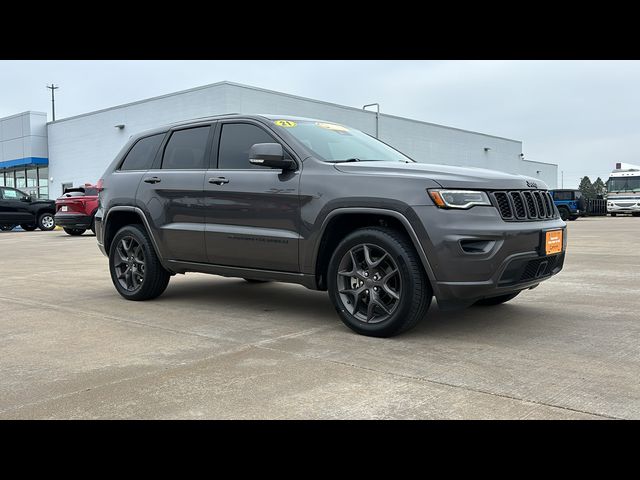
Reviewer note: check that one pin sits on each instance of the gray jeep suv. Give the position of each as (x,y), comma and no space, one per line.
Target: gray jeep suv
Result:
(326,206)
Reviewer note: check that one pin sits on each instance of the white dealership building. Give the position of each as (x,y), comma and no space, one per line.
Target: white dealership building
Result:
(42,158)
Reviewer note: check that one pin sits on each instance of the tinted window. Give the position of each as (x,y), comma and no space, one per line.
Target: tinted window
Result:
(186,149)
(563,195)
(81,192)
(141,156)
(236,140)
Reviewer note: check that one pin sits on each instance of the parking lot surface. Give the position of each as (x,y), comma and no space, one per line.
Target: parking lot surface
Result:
(212,347)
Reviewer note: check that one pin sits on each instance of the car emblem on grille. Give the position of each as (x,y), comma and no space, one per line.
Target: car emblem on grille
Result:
(532,184)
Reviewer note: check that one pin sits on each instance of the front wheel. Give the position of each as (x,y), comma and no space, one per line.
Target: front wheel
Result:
(46,222)
(497,300)
(377,284)
(135,269)
(74,231)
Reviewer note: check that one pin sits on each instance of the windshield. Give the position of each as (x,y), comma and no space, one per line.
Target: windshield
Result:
(336,143)
(623,184)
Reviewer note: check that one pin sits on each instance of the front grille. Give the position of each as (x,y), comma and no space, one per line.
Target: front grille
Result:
(524,205)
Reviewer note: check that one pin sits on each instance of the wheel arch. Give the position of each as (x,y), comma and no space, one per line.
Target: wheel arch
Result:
(340,222)
(120,216)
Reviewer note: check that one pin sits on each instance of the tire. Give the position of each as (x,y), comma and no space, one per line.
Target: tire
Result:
(46,223)
(93,225)
(487,302)
(636,214)
(564,213)
(6,228)
(28,228)
(144,277)
(409,284)
(74,231)
(573,218)
(253,280)
(612,214)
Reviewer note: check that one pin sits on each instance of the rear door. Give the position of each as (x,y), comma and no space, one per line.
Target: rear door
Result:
(252,212)
(172,192)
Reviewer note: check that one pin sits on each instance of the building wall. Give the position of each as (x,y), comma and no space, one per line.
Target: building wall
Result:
(23,135)
(80,148)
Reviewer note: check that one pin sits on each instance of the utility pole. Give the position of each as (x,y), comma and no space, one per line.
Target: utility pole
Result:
(377,114)
(52,87)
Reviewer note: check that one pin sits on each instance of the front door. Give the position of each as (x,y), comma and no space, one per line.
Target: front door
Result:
(172,194)
(14,207)
(252,213)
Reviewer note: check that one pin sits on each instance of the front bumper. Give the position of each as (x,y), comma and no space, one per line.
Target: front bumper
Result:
(475,254)
(66,220)
(629,209)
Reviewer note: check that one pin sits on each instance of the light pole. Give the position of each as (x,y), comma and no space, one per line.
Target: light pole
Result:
(377,114)
(52,87)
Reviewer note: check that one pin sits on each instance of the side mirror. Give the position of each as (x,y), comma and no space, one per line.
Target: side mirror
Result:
(270,155)
(27,198)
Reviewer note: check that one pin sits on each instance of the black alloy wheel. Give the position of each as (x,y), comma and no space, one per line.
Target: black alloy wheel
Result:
(377,283)
(369,283)
(129,264)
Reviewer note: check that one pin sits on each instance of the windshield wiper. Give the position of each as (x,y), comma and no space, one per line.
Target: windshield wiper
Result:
(354,159)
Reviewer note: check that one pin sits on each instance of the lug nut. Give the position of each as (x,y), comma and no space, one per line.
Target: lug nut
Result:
(375,289)
(367,292)
(366,274)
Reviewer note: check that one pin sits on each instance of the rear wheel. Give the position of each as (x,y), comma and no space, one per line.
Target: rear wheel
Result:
(135,269)
(497,300)
(377,284)
(46,222)
(28,228)
(74,231)
(564,213)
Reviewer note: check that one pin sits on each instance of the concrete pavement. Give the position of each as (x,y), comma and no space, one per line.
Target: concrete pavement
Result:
(211,347)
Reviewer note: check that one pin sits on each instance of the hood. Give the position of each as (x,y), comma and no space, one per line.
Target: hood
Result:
(43,201)
(447,176)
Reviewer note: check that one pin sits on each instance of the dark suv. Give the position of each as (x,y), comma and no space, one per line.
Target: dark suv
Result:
(325,206)
(19,208)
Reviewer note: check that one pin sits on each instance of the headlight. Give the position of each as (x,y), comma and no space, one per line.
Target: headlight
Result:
(458,198)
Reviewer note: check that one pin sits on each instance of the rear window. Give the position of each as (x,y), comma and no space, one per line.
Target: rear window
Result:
(141,156)
(80,192)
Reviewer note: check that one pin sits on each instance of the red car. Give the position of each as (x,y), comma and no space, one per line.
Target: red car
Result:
(76,208)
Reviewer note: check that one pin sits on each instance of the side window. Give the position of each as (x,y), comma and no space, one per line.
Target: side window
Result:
(141,156)
(562,196)
(186,148)
(10,194)
(235,141)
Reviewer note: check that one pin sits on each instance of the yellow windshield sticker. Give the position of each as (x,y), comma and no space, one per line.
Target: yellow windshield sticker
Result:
(286,123)
(332,126)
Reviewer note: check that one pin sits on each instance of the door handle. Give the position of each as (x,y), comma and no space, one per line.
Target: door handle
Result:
(218,180)
(152,180)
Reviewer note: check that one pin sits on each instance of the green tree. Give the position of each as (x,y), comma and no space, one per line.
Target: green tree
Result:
(599,187)
(586,187)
